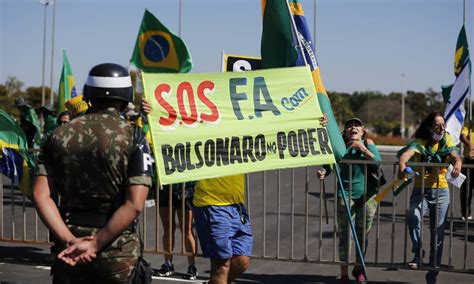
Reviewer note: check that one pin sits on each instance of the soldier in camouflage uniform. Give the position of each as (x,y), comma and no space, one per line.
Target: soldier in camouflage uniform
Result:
(101,167)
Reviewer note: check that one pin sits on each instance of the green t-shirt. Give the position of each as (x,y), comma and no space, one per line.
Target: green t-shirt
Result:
(358,178)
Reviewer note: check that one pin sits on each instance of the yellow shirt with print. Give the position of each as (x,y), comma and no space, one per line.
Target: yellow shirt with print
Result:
(220,191)
(465,132)
(430,175)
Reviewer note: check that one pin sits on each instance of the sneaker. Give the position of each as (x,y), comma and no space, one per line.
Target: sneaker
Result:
(359,275)
(463,218)
(413,264)
(192,273)
(166,269)
(361,278)
(150,203)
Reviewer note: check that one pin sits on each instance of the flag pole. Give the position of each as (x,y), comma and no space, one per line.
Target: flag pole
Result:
(223,64)
(349,218)
(43,91)
(314,26)
(51,97)
(469,99)
(464,13)
(295,34)
(180,16)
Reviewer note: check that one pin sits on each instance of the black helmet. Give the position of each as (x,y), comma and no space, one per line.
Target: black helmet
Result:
(108,81)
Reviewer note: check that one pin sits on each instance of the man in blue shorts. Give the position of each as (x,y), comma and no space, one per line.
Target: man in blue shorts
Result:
(223,226)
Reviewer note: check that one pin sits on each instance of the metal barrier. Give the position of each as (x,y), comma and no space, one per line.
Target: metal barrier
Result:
(288,221)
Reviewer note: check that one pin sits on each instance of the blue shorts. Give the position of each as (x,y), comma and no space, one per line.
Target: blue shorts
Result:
(222,232)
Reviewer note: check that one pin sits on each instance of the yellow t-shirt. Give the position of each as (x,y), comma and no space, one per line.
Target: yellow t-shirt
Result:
(465,131)
(430,173)
(220,191)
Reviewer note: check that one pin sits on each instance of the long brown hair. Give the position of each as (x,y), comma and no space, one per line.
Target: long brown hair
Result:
(424,130)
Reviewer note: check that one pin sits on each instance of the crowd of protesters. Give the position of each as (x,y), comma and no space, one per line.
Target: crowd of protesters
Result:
(229,249)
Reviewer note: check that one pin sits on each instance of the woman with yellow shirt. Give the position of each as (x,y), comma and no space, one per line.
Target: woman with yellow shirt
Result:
(432,145)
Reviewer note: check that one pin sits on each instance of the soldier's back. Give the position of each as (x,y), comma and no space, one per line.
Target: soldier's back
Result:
(90,156)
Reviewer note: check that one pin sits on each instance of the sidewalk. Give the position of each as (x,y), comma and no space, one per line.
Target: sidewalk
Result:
(21,263)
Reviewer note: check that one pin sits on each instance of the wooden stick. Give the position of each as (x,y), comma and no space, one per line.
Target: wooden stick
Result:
(325,201)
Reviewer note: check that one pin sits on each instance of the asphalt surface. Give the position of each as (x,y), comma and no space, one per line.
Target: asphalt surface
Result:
(21,263)
(292,244)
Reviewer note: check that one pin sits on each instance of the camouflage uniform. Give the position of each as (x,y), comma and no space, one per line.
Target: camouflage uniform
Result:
(91,161)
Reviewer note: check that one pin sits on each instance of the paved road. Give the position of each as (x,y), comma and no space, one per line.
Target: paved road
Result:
(24,264)
(282,232)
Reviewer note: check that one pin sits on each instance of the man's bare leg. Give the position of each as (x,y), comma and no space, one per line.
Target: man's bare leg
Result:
(219,271)
(238,264)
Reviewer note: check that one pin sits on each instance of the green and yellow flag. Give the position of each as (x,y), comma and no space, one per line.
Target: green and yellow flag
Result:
(67,88)
(282,47)
(455,112)
(462,52)
(28,115)
(15,162)
(157,50)
(278,46)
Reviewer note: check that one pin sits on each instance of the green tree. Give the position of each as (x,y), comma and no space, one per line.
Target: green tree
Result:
(33,96)
(421,104)
(13,86)
(3,91)
(340,106)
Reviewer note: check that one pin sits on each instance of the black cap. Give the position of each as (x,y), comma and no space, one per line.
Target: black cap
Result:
(352,120)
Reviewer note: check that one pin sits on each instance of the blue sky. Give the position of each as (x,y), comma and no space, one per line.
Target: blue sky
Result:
(361,44)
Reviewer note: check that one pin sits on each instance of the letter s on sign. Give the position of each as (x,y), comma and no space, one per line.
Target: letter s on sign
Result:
(160,89)
(241,65)
(207,85)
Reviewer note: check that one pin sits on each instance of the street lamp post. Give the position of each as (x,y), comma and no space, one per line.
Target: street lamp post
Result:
(53,2)
(402,126)
(43,90)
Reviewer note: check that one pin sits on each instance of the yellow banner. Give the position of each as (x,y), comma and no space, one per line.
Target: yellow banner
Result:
(219,124)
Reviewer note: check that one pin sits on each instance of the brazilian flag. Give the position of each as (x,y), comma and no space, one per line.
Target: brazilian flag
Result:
(29,115)
(15,161)
(285,45)
(455,111)
(67,88)
(157,50)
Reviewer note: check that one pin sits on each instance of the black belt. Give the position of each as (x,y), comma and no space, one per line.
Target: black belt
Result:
(93,220)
